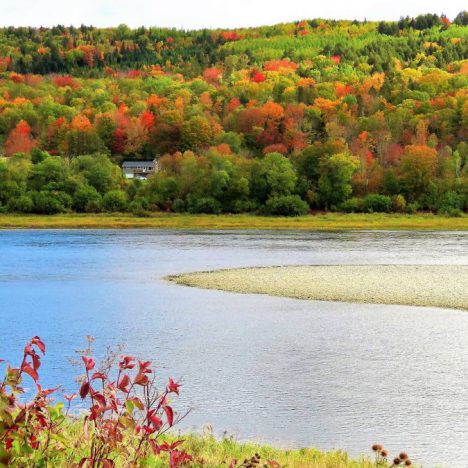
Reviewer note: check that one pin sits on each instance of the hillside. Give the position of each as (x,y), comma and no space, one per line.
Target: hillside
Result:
(319,114)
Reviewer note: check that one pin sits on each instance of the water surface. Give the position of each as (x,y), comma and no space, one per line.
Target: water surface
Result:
(285,371)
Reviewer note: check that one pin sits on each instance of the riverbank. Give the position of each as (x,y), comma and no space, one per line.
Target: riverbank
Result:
(220,453)
(418,285)
(330,221)
(208,451)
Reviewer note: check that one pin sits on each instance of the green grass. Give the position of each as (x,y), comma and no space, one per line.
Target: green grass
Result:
(210,452)
(216,453)
(330,221)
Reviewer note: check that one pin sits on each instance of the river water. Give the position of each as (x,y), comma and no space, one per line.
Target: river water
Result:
(283,371)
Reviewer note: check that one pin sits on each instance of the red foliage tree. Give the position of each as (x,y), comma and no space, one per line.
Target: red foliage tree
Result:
(258,77)
(65,80)
(212,75)
(118,142)
(147,119)
(19,140)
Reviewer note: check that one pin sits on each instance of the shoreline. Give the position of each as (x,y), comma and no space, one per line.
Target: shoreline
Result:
(317,222)
(410,285)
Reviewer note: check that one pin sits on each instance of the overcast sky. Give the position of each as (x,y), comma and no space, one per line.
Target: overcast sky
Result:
(195,14)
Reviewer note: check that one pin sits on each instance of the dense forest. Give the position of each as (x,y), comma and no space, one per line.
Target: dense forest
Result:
(313,115)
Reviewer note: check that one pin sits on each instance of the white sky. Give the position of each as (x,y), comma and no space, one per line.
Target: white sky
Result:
(195,14)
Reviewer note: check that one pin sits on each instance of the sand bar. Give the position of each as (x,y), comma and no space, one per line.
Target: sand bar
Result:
(420,285)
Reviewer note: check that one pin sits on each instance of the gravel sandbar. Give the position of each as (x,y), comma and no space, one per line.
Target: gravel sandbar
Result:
(419,285)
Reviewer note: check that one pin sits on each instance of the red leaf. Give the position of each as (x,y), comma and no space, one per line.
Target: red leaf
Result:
(173,387)
(27,369)
(178,458)
(84,390)
(70,397)
(99,397)
(127,362)
(99,375)
(89,362)
(36,361)
(155,447)
(46,391)
(154,419)
(39,343)
(149,430)
(96,410)
(169,415)
(176,444)
(144,367)
(141,379)
(123,384)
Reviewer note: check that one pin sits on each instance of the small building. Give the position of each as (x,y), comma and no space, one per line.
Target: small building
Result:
(139,169)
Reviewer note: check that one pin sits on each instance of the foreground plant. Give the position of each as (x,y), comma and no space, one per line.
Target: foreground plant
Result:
(126,418)
(125,423)
(381,455)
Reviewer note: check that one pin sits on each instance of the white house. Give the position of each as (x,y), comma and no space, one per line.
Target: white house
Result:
(139,169)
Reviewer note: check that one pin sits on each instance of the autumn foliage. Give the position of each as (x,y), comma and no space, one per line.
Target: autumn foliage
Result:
(20,139)
(391,96)
(124,424)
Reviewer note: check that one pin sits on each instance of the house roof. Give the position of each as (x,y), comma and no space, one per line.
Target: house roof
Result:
(132,164)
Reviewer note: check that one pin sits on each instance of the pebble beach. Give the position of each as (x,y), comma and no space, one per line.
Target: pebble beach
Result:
(418,285)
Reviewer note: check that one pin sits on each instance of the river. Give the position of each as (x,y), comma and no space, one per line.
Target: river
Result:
(283,371)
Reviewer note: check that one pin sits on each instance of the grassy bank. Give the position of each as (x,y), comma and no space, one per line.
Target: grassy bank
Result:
(216,453)
(331,221)
(209,452)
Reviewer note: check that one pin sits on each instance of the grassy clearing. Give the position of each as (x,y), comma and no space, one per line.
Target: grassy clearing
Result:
(331,221)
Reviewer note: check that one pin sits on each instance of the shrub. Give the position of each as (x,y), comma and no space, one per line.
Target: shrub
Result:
(46,203)
(352,205)
(244,206)
(115,200)
(87,199)
(412,208)
(179,205)
(124,423)
(22,204)
(398,203)
(377,203)
(64,199)
(451,203)
(286,205)
(452,212)
(204,205)
(137,208)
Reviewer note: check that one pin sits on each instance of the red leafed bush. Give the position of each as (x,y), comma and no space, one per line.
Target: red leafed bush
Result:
(65,80)
(336,59)
(259,77)
(124,423)
(132,74)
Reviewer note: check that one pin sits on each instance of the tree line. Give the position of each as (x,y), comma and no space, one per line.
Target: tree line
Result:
(312,115)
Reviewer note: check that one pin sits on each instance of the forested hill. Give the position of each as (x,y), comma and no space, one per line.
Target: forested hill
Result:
(87,50)
(352,116)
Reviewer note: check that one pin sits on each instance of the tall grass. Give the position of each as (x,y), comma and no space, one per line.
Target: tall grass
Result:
(330,221)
